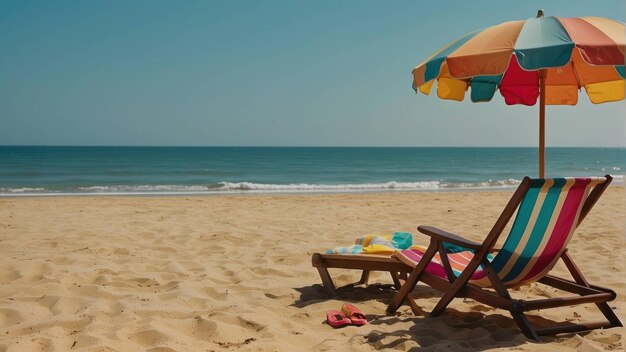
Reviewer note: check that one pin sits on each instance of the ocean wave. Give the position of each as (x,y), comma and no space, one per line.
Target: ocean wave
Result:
(22,190)
(144,188)
(252,187)
(511,182)
(392,185)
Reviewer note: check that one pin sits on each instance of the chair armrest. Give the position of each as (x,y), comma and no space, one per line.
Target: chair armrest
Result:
(448,237)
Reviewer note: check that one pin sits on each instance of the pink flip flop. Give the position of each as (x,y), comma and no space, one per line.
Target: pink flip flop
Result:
(336,319)
(354,314)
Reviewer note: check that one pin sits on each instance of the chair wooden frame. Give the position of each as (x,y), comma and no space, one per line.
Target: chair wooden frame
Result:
(365,262)
(499,297)
(398,270)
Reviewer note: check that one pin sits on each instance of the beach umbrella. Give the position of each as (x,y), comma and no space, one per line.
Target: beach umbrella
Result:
(549,59)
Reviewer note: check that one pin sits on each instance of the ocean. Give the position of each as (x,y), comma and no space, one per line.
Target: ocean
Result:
(35,170)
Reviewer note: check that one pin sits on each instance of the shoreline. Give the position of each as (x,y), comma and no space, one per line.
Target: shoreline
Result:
(618,181)
(252,193)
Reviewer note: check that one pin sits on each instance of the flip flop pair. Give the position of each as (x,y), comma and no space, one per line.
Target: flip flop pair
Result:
(349,315)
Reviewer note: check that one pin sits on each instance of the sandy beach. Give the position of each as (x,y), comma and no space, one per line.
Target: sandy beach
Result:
(217,273)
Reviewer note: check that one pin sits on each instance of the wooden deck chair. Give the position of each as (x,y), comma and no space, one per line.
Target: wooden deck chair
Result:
(548,212)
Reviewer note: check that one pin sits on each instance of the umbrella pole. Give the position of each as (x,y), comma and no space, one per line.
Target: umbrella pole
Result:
(542,121)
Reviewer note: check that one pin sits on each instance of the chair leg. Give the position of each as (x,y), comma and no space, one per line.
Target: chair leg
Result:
(525,326)
(457,285)
(609,314)
(580,279)
(404,291)
(414,307)
(444,301)
(396,280)
(412,280)
(365,276)
(327,281)
(522,322)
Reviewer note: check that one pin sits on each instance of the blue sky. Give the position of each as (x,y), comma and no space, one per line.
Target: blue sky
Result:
(280,73)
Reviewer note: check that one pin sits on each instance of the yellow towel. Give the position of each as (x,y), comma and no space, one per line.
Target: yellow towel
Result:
(376,244)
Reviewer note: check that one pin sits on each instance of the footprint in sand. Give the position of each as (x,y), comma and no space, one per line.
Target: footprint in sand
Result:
(144,282)
(62,304)
(121,251)
(149,337)
(146,235)
(8,275)
(161,349)
(9,317)
(34,272)
(200,328)
(219,294)
(54,326)
(608,338)
(62,260)
(270,272)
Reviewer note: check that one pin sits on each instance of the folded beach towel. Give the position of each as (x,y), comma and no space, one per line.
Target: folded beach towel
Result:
(354,249)
(398,240)
(376,244)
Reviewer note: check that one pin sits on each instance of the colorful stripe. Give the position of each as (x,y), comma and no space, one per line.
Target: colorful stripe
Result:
(606,91)
(576,52)
(458,262)
(613,29)
(523,227)
(548,209)
(547,229)
(595,46)
(519,225)
(542,43)
(429,69)
(434,65)
(450,88)
(519,86)
(602,83)
(562,86)
(484,87)
(562,232)
(543,242)
(487,53)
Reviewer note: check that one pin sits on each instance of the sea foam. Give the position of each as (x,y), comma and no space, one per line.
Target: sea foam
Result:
(252,187)
(392,185)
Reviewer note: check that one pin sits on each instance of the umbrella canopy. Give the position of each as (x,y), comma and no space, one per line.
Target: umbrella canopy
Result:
(545,58)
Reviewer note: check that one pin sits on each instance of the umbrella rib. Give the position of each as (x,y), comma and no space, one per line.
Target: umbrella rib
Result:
(576,70)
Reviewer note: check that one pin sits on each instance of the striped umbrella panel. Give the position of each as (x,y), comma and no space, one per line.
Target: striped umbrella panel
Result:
(577,53)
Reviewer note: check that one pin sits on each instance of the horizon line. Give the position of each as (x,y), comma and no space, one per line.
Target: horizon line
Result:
(283,146)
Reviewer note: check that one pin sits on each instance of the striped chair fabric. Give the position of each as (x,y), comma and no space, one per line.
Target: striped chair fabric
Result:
(543,227)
